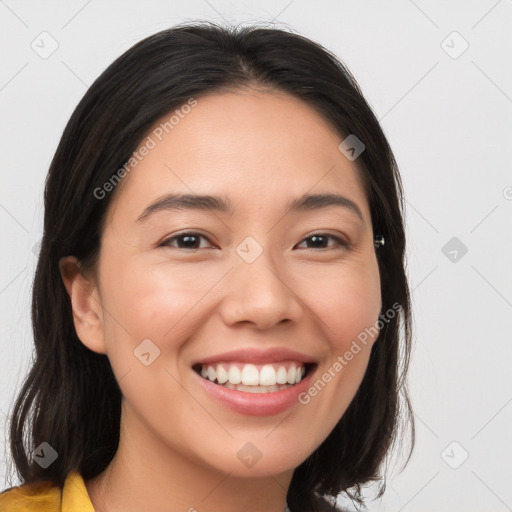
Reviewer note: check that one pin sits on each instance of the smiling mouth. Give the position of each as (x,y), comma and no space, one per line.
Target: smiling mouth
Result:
(255,378)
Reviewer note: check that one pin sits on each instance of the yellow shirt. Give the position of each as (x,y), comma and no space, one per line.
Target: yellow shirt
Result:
(46,497)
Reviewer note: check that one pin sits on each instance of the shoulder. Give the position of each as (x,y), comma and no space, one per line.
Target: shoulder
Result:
(47,497)
(36,496)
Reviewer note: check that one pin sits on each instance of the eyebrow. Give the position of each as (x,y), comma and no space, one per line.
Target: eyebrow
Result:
(306,202)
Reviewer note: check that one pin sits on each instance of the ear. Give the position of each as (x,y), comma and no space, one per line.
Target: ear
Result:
(85,303)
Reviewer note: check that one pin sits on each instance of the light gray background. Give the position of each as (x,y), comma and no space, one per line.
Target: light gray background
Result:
(449,123)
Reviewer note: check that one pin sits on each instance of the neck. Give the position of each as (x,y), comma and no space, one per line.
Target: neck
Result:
(147,474)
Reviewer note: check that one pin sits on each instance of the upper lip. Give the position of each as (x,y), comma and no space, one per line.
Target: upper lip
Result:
(257,356)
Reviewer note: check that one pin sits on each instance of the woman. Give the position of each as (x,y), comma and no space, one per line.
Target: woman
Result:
(220,308)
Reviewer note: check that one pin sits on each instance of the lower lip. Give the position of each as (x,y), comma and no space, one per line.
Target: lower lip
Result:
(256,404)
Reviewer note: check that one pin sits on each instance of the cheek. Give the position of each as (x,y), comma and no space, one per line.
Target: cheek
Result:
(348,305)
(154,302)
(348,302)
(151,315)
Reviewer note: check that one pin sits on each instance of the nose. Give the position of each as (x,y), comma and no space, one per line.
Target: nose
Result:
(261,294)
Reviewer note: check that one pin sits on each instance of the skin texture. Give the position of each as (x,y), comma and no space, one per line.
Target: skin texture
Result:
(178,447)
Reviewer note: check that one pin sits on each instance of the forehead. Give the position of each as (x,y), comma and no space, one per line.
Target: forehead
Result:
(256,147)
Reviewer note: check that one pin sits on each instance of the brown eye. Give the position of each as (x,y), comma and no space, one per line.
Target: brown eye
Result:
(320,241)
(188,240)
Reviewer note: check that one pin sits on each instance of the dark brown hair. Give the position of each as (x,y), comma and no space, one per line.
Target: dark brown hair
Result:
(70,398)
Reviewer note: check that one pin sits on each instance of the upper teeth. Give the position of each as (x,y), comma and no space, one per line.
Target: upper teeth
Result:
(250,375)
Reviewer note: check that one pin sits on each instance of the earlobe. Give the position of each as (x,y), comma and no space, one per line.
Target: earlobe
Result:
(85,304)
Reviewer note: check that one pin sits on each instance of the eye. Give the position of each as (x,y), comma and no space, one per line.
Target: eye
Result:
(187,240)
(190,240)
(319,240)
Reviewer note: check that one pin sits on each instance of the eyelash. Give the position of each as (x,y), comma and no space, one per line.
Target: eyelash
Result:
(166,243)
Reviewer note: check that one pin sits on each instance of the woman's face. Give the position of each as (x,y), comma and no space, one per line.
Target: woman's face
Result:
(185,288)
